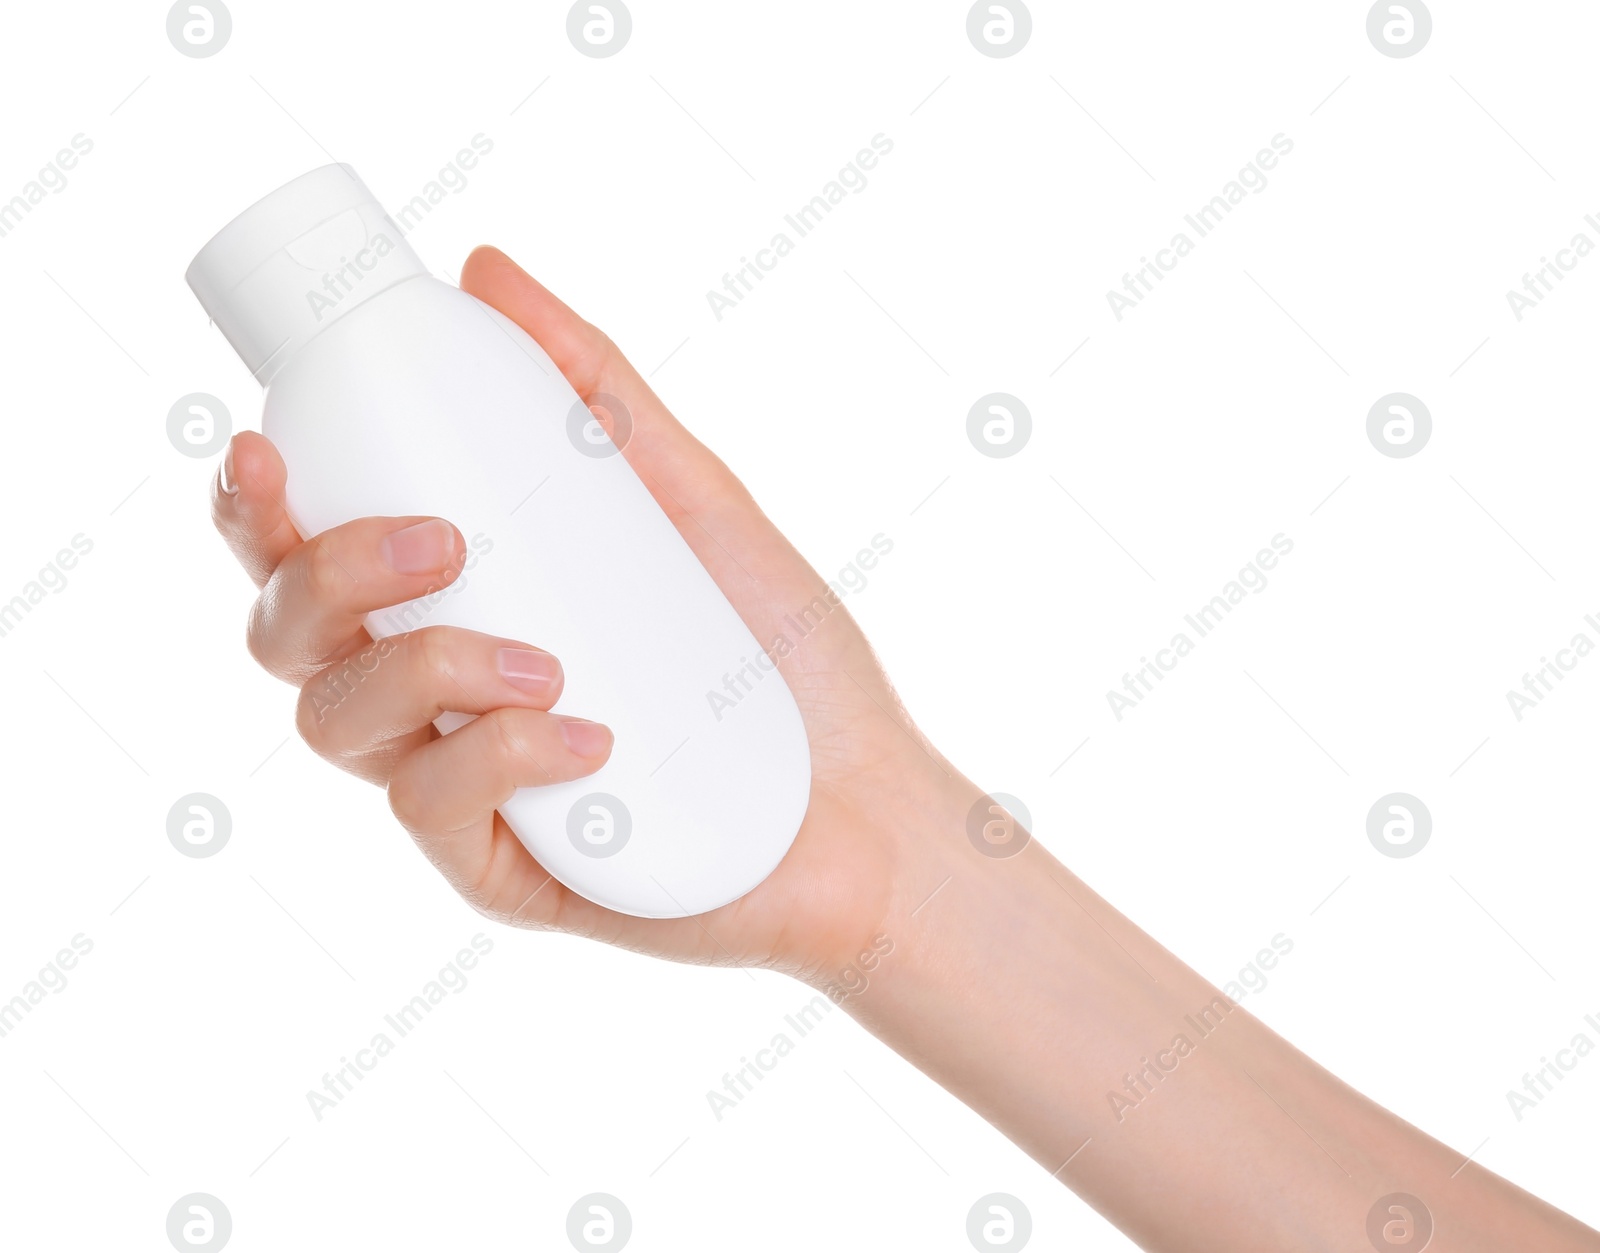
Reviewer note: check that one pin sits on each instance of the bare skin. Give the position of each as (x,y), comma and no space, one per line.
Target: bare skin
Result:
(1006,979)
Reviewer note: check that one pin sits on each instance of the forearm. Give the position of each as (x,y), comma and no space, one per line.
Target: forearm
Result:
(1174,1112)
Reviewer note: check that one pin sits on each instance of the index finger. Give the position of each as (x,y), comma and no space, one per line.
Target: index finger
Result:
(247,505)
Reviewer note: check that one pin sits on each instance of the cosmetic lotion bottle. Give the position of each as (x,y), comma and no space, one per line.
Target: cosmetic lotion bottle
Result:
(390,392)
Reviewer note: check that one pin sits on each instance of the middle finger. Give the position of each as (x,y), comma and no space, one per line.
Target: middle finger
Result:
(311,611)
(364,712)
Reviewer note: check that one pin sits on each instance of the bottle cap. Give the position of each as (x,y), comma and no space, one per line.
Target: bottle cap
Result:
(297,260)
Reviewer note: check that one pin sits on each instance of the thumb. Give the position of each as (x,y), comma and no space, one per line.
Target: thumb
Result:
(581,351)
(710,507)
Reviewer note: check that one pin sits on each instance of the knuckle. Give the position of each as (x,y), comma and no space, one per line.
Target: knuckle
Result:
(477,891)
(432,652)
(324,579)
(406,798)
(310,717)
(320,700)
(600,349)
(258,634)
(509,739)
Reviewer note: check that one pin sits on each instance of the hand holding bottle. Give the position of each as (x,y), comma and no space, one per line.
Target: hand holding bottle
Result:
(830,894)
(1007,980)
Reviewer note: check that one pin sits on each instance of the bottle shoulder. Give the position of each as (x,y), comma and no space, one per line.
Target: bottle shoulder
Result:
(415,329)
(425,347)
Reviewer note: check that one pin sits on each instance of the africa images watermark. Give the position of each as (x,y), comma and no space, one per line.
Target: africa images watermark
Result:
(1251,180)
(1140,1085)
(336,684)
(50,180)
(52,977)
(1539,284)
(852,981)
(451,980)
(52,578)
(855,978)
(451,179)
(1251,580)
(850,180)
(1539,684)
(852,578)
(1539,1084)
(742,1081)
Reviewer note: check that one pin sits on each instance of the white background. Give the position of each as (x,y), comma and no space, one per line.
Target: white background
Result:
(1224,410)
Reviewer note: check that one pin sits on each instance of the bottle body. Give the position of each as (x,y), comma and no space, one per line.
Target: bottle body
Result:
(423,400)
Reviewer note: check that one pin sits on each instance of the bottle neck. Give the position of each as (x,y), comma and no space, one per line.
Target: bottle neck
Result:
(295,262)
(298,292)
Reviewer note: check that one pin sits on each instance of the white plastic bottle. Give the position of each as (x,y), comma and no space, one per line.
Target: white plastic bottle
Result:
(389,392)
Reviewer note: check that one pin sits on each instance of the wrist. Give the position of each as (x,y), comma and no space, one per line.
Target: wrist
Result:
(972,974)
(955,865)
(962,925)
(901,826)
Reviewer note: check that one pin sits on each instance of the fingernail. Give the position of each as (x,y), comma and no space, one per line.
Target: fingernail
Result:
(529,668)
(230,485)
(587,739)
(420,549)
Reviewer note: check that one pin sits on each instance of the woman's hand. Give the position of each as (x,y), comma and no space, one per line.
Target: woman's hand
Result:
(1017,988)
(849,863)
